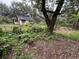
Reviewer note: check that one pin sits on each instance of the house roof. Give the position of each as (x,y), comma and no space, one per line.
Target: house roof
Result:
(21,17)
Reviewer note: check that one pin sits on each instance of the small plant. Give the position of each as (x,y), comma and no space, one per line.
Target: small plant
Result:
(17,30)
(36,29)
(74,35)
(1,32)
(27,57)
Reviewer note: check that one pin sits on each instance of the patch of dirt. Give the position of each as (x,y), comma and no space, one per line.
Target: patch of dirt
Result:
(53,49)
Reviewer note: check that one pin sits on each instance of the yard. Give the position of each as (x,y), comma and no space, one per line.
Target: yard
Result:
(39,29)
(33,41)
(8,27)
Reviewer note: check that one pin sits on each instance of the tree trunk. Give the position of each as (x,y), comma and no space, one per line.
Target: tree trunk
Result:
(51,22)
(56,13)
(47,20)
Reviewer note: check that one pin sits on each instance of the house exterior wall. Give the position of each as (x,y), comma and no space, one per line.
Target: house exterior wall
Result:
(22,19)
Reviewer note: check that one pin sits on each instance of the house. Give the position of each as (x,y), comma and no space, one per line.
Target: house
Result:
(21,19)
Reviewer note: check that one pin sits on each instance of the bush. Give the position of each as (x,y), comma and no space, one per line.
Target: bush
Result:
(26,27)
(74,35)
(33,27)
(36,29)
(1,32)
(5,20)
(69,21)
(65,22)
(17,30)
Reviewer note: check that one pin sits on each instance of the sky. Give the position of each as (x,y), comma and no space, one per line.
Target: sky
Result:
(8,2)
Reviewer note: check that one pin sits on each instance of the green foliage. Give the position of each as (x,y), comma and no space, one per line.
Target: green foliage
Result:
(19,8)
(17,30)
(69,21)
(27,57)
(1,32)
(74,36)
(34,27)
(66,22)
(5,20)
(29,32)
(4,10)
(7,40)
(71,36)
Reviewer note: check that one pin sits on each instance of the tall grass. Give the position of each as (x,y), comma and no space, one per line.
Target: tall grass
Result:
(74,36)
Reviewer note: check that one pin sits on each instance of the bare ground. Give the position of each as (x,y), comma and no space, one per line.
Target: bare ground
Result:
(53,49)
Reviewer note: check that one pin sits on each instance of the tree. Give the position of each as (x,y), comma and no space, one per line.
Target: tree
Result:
(50,22)
(19,8)
(76,16)
(72,10)
(4,9)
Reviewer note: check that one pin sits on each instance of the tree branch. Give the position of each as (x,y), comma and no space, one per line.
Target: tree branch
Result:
(52,12)
(49,11)
(60,4)
(45,13)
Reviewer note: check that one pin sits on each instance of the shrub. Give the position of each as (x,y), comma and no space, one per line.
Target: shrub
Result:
(26,27)
(17,30)
(5,20)
(65,22)
(74,35)
(34,27)
(1,32)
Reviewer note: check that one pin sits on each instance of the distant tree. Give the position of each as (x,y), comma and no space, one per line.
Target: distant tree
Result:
(19,8)
(4,9)
(72,10)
